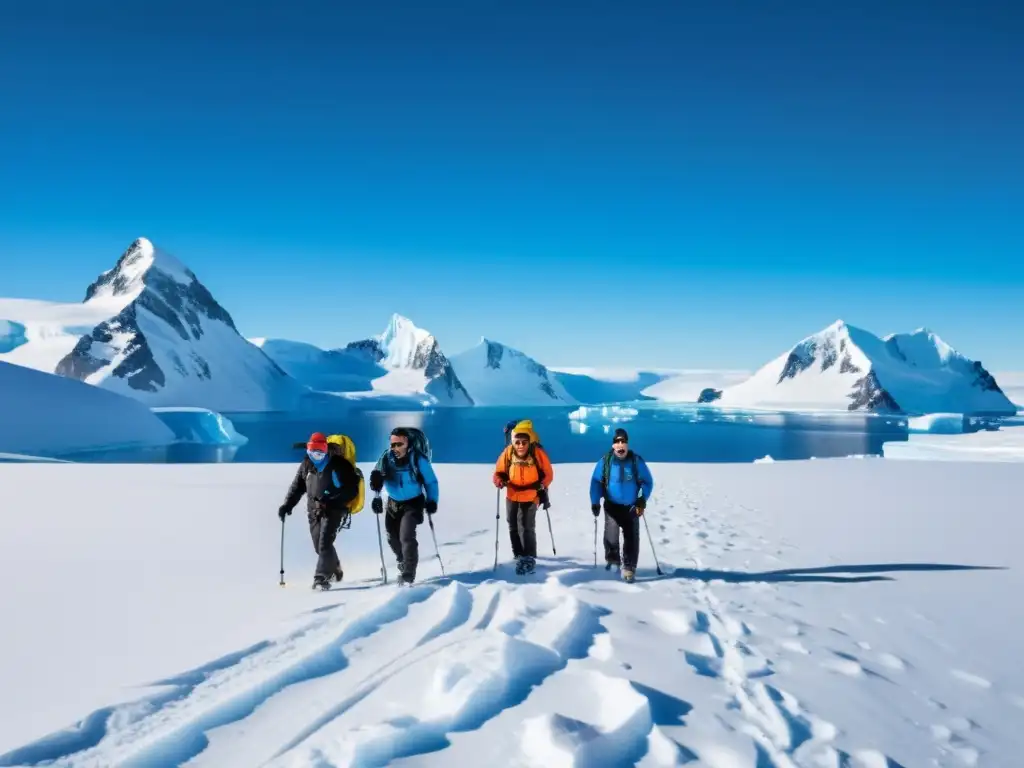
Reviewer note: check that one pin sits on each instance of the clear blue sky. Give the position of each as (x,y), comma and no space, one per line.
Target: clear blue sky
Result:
(673,184)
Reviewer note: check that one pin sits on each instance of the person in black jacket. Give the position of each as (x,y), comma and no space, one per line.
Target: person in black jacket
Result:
(330,482)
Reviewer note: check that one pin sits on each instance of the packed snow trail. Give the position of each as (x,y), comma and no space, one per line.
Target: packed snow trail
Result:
(749,651)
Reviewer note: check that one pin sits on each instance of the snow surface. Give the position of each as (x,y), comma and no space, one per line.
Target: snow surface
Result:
(1004,444)
(201,425)
(828,371)
(44,413)
(495,374)
(51,328)
(797,624)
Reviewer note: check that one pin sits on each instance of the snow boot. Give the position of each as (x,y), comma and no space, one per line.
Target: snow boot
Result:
(321,582)
(338,574)
(405,580)
(530,565)
(520,565)
(628,575)
(608,566)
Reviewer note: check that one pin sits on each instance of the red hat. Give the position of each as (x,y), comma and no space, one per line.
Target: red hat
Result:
(317,442)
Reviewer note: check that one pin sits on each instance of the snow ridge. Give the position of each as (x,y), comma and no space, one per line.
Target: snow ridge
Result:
(848,368)
(500,375)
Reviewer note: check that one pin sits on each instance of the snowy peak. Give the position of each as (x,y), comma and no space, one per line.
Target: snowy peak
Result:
(140,265)
(412,361)
(167,341)
(843,366)
(500,375)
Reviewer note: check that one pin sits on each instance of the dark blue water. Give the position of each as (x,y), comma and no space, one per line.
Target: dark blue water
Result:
(472,435)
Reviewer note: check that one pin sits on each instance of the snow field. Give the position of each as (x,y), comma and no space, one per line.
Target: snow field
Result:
(823,613)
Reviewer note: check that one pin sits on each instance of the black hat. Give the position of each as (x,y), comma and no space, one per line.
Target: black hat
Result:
(620,432)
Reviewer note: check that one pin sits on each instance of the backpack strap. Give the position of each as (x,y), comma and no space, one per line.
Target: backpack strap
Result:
(606,470)
(415,466)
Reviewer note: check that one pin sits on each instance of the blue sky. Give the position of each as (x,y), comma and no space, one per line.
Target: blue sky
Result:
(660,184)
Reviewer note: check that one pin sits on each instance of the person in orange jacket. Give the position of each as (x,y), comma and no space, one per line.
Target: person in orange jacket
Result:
(525,471)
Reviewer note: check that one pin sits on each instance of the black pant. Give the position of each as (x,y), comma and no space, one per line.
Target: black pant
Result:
(323,528)
(522,527)
(617,517)
(400,520)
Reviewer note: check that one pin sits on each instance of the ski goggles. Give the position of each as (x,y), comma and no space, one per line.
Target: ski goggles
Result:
(316,454)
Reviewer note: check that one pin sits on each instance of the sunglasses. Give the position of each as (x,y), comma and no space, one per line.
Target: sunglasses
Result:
(619,440)
(520,440)
(398,445)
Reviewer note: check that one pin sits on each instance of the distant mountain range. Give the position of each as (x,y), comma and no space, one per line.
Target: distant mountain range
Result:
(149,329)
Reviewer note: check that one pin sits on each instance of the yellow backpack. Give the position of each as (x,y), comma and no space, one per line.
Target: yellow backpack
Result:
(342,445)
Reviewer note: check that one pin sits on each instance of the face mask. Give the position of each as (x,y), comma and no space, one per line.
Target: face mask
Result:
(317,456)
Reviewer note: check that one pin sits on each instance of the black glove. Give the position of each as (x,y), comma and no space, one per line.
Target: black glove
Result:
(376,481)
(377,505)
(542,497)
(641,503)
(595,509)
(283,510)
(430,506)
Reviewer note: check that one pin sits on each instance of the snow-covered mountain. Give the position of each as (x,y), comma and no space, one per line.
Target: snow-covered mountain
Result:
(149,329)
(848,368)
(498,375)
(403,361)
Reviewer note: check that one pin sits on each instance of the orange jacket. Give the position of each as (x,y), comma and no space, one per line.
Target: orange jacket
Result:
(523,473)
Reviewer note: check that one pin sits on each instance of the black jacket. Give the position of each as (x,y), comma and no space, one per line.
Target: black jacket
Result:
(333,488)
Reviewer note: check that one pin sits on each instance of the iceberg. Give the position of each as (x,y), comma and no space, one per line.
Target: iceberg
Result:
(200,426)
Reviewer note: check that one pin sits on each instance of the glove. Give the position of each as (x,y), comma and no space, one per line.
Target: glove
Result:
(641,503)
(430,507)
(377,505)
(376,481)
(595,509)
(500,479)
(283,510)
(542,497)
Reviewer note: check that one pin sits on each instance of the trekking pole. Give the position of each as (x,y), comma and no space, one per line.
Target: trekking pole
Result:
(595,542)
(551,533)
(430,519)
(380,543)
(656,563)
(497,525)
(282,553)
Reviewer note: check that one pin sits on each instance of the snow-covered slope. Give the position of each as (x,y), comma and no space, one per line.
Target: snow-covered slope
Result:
(150,330)
(498,375)
(847,368)
(594,386)
(784,631)
(49,415)
(324,370)
(687,386)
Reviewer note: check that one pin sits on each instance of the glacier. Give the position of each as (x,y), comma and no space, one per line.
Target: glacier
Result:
(12,336)
(49,415)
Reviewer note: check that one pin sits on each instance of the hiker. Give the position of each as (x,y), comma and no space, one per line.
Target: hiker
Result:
(330,483)
(405,472)
(525,470)
(619,477)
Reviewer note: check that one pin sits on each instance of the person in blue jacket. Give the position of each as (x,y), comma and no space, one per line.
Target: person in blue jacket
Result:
(623,478)
(411,485)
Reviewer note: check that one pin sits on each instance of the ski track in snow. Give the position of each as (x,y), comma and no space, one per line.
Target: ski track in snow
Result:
(550,670)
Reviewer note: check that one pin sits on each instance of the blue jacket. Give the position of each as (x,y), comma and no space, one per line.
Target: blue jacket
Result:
(401,483)
(622,486)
